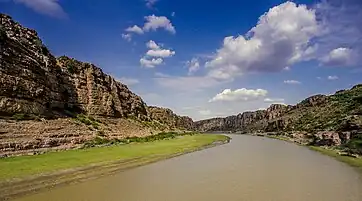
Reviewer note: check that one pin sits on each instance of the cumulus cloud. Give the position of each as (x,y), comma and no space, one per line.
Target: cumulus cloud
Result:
(160,53)
(157,22)
(135,29)
(281,38)
(150,63)
(153,23)
(332,77)
(242,94)
(127,37)
(128,81)
(292,82)
(342,27)
(47,7)
(339,57)
(155,55)
(193,65)
(152,45)
(274,100)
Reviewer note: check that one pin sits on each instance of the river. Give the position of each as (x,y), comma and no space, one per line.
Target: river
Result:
(247,169)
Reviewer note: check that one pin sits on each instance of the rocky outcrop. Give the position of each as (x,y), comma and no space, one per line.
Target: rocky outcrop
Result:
(99,94)
(168,117)
(33,81)
(339,112)
(333,120)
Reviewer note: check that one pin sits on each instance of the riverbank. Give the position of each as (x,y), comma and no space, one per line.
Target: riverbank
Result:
(23,174)
(332,152)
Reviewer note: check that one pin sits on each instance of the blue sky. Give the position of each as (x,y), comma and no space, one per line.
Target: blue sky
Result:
(205,58)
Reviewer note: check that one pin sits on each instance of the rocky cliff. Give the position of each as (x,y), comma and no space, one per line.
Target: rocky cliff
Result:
(341,111)
(168,117)
(334,120)
(48,102)
(33,81)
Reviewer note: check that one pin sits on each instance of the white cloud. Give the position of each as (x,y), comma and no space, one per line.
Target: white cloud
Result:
(280,39)
(152,45)
(239,95)
(160,53)
(173,14)
(150,3)
(274,100)
(156,53)
(205,112)
(155,22)
(332,77)
(150,63)
(319,78)
(193,65)
(47,7)
(292,82)
(339,57)
(135,29)
(342,27)
(127,37)
(128,81)
(287,68)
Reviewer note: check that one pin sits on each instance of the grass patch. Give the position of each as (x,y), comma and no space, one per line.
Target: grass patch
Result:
(101,140)
(355,162)
(23,166)
(88,120)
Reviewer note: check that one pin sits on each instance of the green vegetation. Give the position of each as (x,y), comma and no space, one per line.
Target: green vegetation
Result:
(99,140)
(71,68)
(355,162)
(21,117)
(22,166)
(154,124)
(339,112)
(88,120)
(354,145)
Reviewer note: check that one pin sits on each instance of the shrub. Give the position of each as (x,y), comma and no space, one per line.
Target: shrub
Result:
(22,116)
(71,68)
(19,116)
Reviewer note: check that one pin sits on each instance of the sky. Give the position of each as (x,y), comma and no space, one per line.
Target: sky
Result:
(205,58)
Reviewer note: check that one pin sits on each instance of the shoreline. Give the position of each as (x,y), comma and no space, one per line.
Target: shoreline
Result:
(355,162)
(16,187)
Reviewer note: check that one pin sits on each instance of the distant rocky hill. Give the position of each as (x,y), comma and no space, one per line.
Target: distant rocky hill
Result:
(166,116)
(334,120)
(48,94)
(339,112)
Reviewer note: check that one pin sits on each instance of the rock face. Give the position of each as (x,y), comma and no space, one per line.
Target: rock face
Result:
(167,117)
(34,81)
(339,112)
(99,94)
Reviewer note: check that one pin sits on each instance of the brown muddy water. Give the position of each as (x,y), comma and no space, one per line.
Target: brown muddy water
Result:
(248,168)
